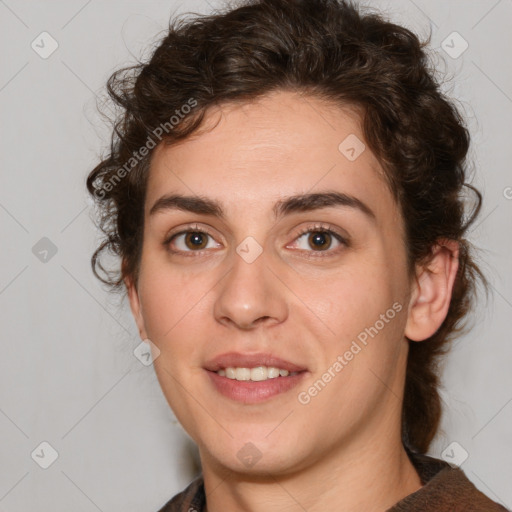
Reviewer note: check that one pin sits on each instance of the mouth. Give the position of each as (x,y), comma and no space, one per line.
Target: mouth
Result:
(253,378)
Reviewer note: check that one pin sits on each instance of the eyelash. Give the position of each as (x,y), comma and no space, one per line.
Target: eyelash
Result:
(317,228)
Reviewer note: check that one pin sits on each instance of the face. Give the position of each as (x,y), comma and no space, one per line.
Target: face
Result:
(272,240)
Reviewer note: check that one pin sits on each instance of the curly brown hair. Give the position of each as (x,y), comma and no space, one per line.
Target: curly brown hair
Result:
(327,49)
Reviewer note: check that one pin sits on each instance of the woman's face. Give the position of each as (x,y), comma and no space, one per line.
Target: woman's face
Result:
(272,240)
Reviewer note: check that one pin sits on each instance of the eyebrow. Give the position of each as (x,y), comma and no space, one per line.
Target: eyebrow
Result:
(298,203)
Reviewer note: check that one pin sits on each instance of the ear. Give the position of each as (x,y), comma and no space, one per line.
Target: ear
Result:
(133,296)
(432,291)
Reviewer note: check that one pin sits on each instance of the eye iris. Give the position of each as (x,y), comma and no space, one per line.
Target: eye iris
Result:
(320,240)
(195,240)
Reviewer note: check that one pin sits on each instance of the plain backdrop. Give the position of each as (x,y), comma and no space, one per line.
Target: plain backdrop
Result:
(69,377)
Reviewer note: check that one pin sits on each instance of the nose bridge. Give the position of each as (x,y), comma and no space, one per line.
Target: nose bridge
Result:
(249,293)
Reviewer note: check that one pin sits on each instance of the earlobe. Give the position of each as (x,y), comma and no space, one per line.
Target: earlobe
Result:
(432,292)
(133,297)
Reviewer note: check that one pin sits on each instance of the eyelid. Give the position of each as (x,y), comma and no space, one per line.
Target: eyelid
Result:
(321,227)
(194,227)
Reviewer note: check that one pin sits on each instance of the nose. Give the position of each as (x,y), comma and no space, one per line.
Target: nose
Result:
(250,295)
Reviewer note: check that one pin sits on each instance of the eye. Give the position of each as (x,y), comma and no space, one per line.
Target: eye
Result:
(192,240)
(319,239)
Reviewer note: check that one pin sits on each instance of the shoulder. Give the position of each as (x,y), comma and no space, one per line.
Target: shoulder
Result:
(445,488)
(192,499)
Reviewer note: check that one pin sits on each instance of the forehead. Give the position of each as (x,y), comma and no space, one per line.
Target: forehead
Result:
(279,145)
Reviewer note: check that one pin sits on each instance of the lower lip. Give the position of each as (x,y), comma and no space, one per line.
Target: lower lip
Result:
(253,392)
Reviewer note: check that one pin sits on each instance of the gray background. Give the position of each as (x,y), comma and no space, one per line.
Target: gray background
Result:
(68,373)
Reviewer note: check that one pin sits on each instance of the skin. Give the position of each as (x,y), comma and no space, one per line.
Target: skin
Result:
(295,301)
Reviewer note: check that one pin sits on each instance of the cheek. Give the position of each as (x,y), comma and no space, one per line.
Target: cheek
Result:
(358,310)
(366,317)
(176,307)
(351,297)
(169,299)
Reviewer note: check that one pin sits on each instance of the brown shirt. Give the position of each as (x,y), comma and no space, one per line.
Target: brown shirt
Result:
(445,489)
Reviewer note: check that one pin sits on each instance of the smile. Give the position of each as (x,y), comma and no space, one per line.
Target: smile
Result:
(252,378)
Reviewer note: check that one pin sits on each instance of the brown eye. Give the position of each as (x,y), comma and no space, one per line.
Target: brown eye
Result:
(191,241)
(319,240)
(196,240)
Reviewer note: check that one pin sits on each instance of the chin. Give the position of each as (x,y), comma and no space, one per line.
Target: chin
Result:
(256,452)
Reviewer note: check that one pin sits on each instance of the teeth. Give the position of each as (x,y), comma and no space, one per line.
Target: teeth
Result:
(243,374)
(273,372)
(254,374)
(259,373)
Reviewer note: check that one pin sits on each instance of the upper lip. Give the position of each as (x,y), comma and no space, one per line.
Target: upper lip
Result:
(238,360)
